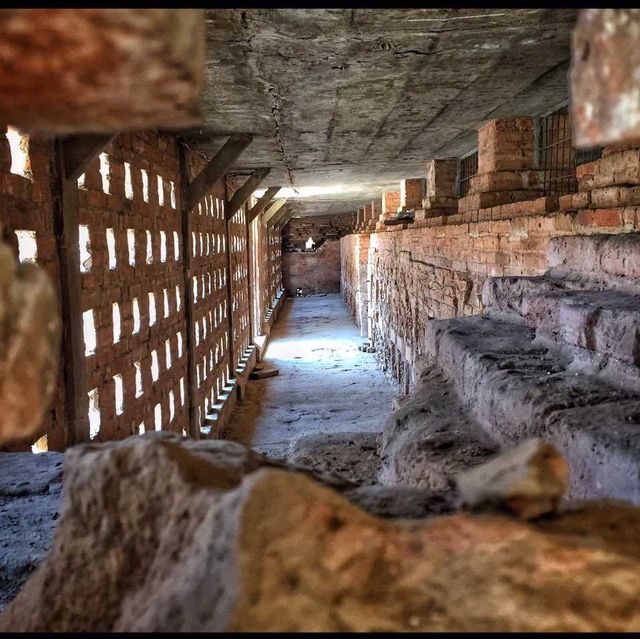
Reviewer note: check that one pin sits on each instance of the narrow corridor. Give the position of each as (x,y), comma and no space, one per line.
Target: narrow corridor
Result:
(325,384)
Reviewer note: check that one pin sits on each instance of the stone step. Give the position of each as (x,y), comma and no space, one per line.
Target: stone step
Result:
(431,437)
(517,388)
(605,322)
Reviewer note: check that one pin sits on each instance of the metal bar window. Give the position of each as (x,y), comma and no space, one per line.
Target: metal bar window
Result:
(558,157)
(468,168)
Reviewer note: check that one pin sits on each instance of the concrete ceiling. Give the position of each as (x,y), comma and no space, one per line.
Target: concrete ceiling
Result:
(350,101)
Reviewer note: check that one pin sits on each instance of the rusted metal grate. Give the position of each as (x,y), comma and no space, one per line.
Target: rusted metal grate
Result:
(558,158)
(468,168)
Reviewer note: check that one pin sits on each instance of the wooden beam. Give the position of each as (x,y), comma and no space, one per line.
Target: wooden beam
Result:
(286,218)
(273,209)
(245,191)
(193,428)
(216,168)
(72,157)
(279,215)
(78,151)
(262,203)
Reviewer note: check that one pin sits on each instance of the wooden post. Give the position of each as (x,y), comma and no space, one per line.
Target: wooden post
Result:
(73,155)
(227,235)
(193,428)
(249,272)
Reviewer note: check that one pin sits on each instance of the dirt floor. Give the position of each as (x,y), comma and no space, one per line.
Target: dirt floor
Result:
(325,385)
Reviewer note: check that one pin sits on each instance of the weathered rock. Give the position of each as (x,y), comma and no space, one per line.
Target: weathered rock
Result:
(528,480)
(66,71)
(401,502)
(155,535)
(29,346)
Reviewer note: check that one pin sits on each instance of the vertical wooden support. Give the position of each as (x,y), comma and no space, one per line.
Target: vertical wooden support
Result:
(187,252)
(227,240)
(72,156)
(249,289)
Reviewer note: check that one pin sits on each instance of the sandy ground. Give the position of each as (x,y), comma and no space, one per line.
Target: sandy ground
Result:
(325,385)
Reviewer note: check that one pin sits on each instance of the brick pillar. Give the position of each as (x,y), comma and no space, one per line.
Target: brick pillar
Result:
(506,165)
(440,188)
(390,204)
(365,217)
(375,211)
(411,192)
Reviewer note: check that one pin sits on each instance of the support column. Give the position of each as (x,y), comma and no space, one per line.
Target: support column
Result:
(193,428)
(72,157)
(440,189)
(390,204)
(506,166)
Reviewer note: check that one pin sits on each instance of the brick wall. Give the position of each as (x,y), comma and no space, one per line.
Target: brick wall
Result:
(436,268)
(313,271)
(134,291)
(321,228)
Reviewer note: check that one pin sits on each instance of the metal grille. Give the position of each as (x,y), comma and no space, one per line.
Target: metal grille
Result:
(468,168)
(558,157)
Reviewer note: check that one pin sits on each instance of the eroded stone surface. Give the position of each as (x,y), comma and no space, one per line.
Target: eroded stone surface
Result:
(156,535)
(353,456)
(29,346)
(430,437)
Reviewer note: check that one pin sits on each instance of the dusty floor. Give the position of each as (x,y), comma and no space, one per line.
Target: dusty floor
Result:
(325,385)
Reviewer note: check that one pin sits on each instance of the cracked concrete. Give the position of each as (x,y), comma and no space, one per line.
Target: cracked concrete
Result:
(413,84)
(314,344)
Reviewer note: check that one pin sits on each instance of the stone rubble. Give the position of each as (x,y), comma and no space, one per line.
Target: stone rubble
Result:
(528,480)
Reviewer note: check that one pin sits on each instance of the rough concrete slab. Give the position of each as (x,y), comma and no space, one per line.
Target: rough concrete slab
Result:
(325,385)
(30,500)
(422,80)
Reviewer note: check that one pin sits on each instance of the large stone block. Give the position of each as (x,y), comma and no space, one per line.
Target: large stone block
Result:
(65,71)
(605,63)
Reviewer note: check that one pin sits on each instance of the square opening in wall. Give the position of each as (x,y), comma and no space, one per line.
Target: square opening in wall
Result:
(27,246)
(84,244)
(111,249)
(94,413)
(89,332)
(131,244)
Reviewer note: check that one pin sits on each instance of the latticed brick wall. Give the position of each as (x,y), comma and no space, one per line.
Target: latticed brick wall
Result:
(210,322)
(148,327)
(239,285)
(133,289)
